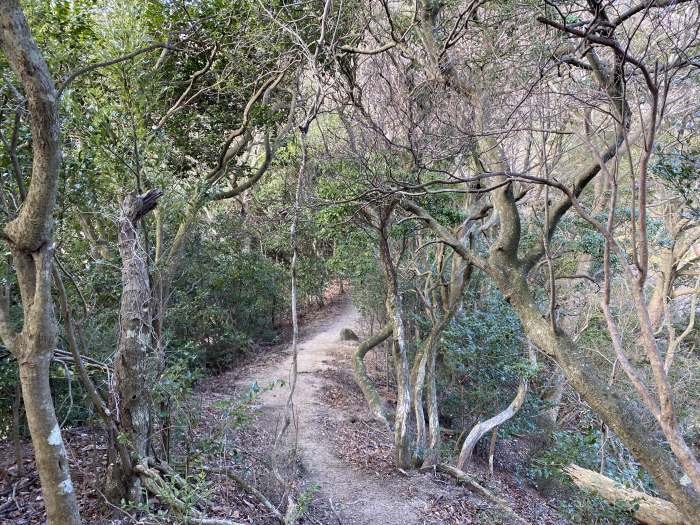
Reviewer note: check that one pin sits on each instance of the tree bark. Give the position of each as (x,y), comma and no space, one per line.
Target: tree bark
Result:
(418,378)
(376,406)
(432,449)
(394,308)
(651,510)
(16,434)
(29,237)
(49,451)
(552,397)
(131,382)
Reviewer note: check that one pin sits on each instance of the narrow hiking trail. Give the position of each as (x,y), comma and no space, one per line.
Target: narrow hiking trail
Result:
(358,496)
(343,455)
(343,473)
(354,495)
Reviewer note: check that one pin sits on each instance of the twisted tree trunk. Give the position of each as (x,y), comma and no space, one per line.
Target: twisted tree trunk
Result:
(376,406)
(483,428)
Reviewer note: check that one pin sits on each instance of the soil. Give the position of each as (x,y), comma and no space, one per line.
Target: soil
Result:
(357,495)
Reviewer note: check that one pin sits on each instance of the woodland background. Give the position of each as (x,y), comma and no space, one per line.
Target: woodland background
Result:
(507,190)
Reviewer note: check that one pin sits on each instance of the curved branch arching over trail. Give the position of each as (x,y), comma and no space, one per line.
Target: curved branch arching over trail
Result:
(376,406)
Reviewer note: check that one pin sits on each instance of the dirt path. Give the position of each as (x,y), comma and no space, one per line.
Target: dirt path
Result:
(356,495)
(345,458)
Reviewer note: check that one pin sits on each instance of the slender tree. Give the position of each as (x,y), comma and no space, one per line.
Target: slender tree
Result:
(30,239)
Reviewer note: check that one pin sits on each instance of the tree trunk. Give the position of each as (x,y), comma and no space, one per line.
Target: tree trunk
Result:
(426,449)
(552,396)
(49,451)
(131,382)
(403,398)
(662,287)
(394,310)
(376,406)
(650,510)
(98,403)
(431,454)
(16,434)
(418,374)
(483,428)
(34,350)
(29,237)
(432,449)
(606,400)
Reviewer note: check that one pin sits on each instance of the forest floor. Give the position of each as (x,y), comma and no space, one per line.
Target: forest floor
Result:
(344,461)
(336,458)
(332,434)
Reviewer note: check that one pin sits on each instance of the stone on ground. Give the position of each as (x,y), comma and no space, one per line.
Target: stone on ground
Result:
(346,334)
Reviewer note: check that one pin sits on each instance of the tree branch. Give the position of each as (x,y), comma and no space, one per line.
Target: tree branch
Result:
(251,181)
(111,62)
(442,233)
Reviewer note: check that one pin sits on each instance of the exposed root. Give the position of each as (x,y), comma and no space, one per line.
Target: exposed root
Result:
(167,470)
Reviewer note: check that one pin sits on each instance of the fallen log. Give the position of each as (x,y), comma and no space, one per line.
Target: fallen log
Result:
(649,509)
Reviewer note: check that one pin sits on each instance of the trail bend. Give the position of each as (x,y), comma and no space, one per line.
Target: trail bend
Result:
(357,496)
